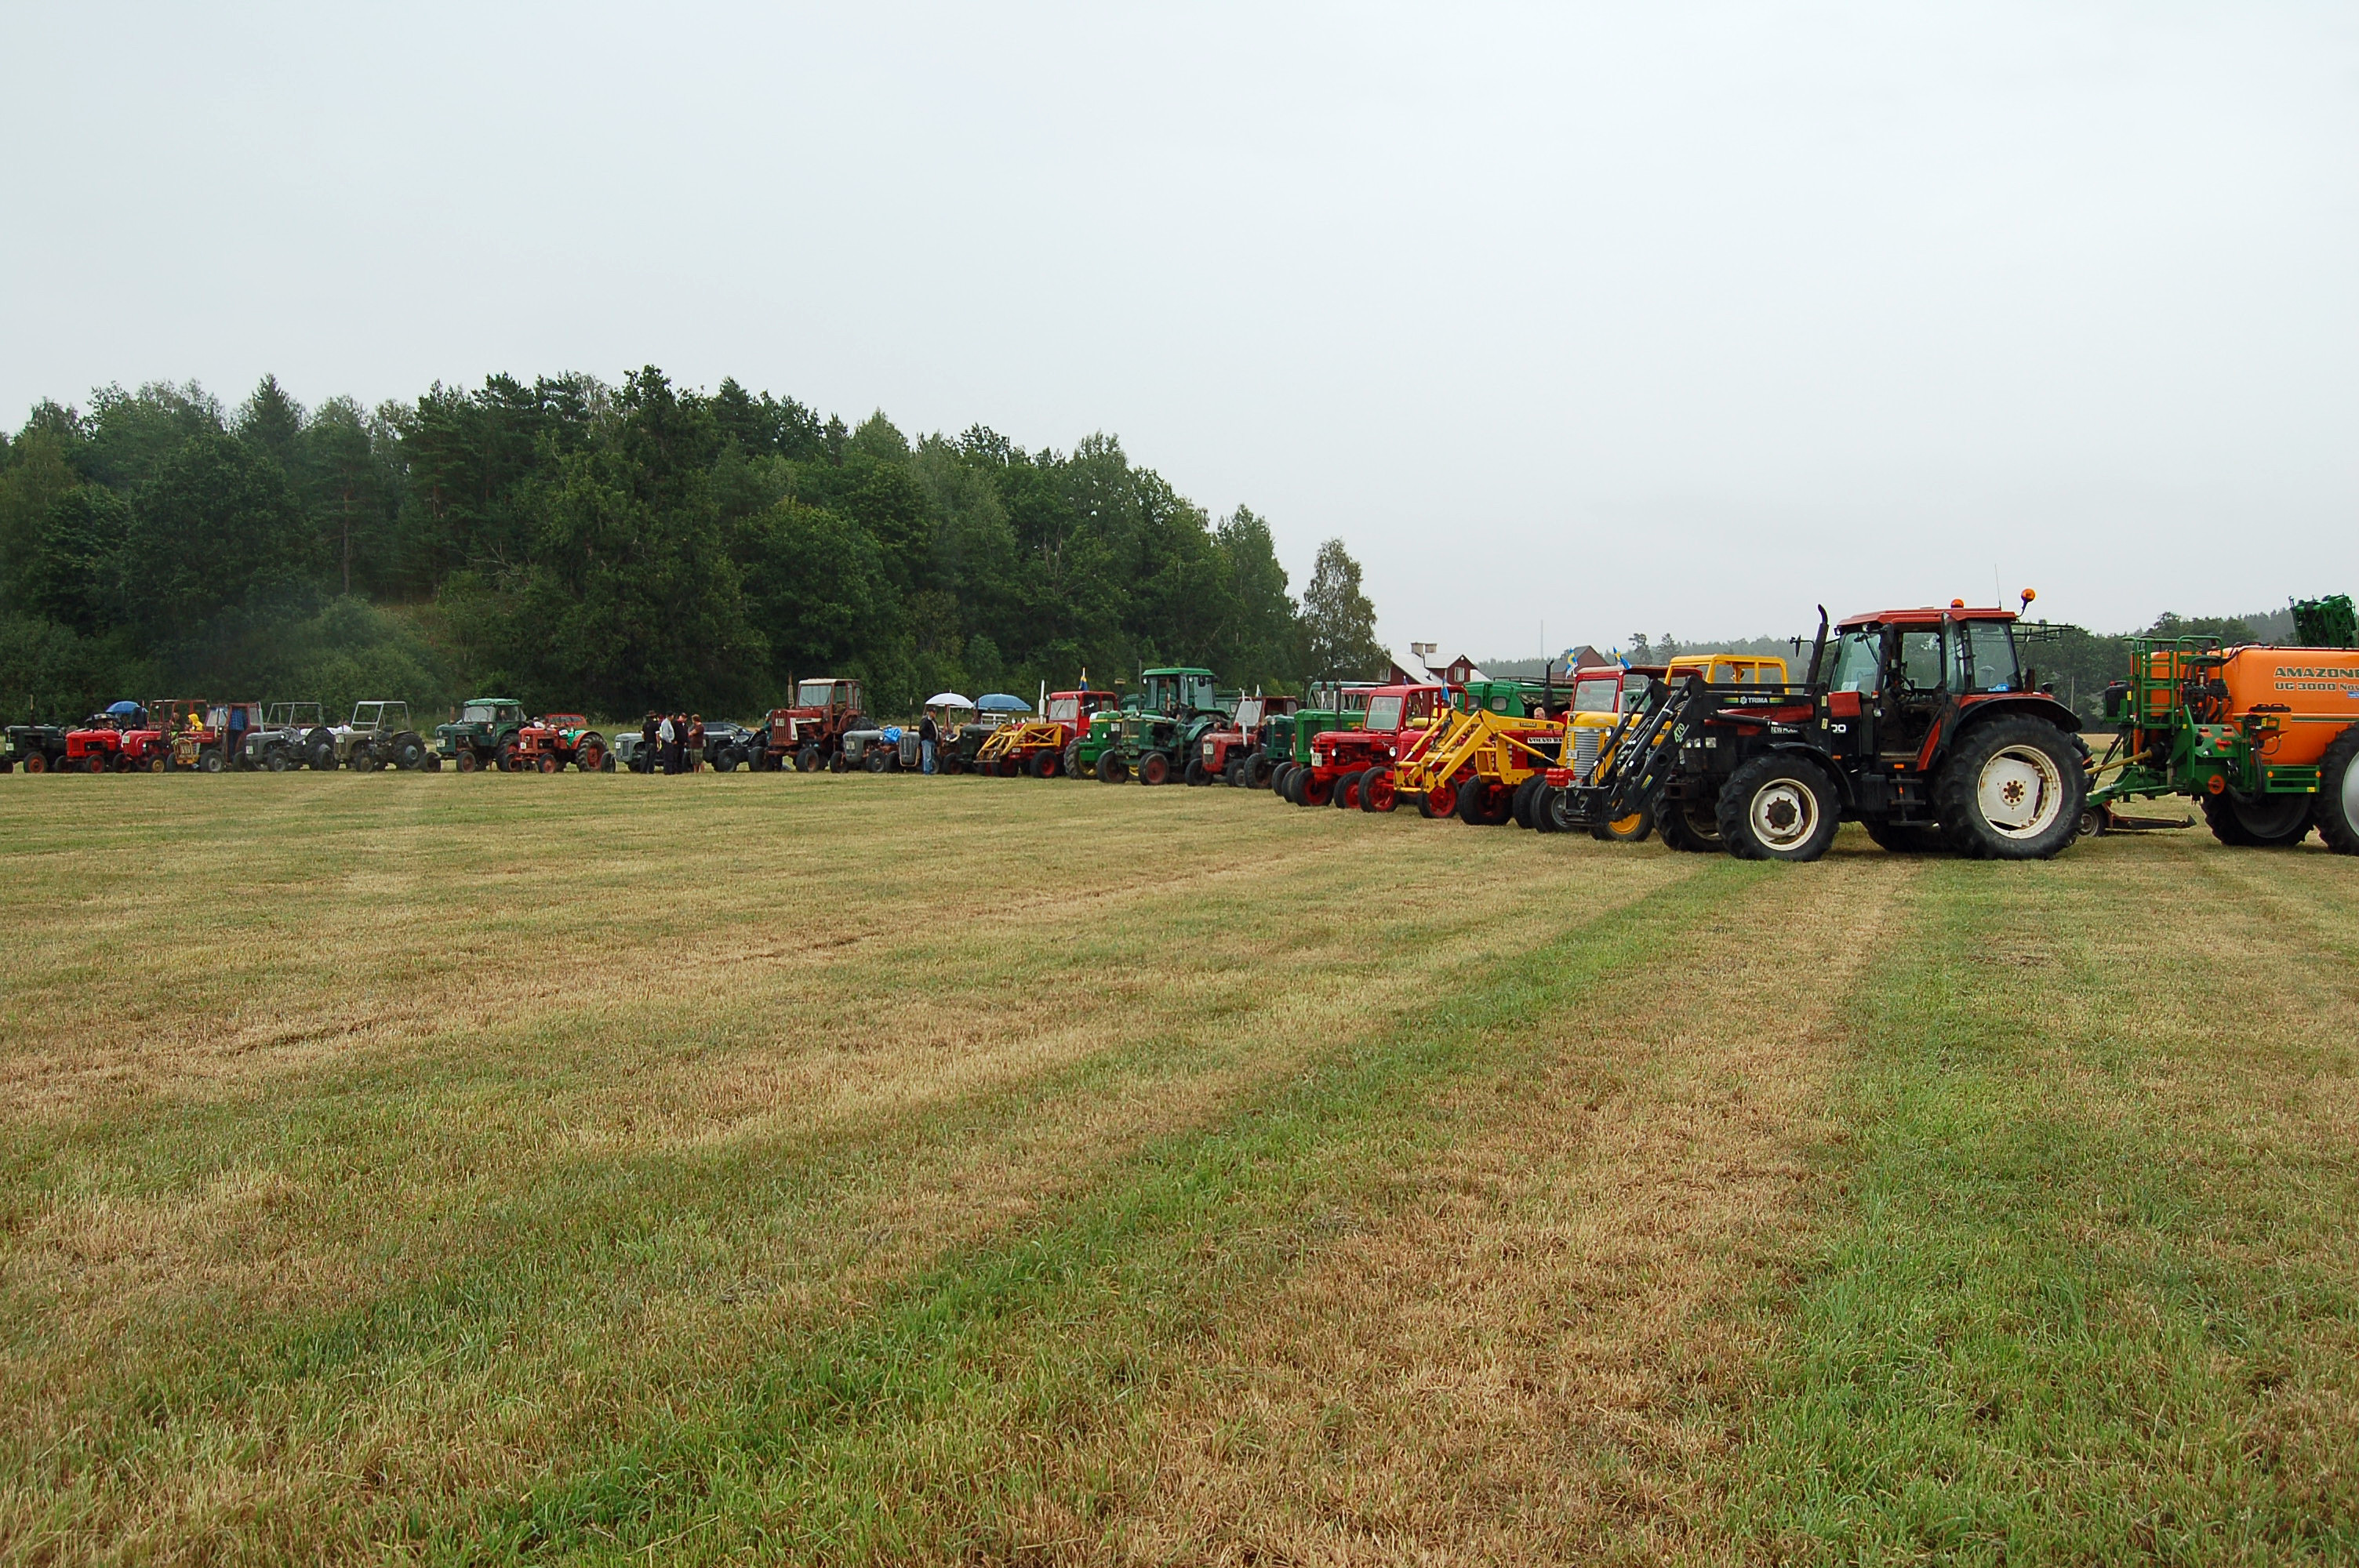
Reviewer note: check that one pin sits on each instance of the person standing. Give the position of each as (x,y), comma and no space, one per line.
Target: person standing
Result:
(927,735)
(696,742)
(664,737)
(649,733)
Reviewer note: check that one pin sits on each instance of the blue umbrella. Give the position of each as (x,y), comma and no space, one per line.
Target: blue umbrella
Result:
(1000,702)
(123,710)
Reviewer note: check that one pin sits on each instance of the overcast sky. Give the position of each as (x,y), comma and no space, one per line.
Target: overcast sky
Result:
(1612,317)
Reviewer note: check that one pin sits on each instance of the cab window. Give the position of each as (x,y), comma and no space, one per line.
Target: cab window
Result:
(1858,663)
(1597,696)
(1385,713)
(1985,659)
(1920,660)
(1064,709)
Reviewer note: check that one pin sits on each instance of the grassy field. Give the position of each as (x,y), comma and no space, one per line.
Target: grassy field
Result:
(869,1170)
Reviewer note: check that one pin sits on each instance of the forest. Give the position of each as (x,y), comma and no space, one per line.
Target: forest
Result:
(577,544)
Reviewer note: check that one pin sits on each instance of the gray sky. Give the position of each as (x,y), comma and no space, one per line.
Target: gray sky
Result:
(1665,317)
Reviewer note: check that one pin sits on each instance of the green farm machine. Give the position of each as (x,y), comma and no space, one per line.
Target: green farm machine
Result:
(2264,738)
(1156,737)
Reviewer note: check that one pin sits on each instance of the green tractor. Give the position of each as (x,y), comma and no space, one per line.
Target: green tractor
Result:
(483,735)
(1333,705)
(1161,737)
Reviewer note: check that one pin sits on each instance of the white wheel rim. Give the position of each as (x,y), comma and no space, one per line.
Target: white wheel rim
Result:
(1784,813)
(2350,795)
(2020,791)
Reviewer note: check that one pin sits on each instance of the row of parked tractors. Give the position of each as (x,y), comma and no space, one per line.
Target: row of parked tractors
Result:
(1930,727)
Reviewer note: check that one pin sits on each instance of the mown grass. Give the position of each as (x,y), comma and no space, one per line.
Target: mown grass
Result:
(874,1170)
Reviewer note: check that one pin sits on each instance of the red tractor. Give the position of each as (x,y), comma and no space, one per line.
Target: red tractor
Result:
(118,740)
(549,743)
(1240,752)
(205,737)
(1400,719)
(810,734)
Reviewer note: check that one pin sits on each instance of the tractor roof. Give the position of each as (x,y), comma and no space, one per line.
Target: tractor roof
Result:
(1924,615)
(1179,670)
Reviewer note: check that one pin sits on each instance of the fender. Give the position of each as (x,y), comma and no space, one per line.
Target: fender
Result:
(1967,713)
(1836,775)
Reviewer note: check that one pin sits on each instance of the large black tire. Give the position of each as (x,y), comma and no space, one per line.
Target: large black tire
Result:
(1310,788)
(1154,768)
(321,757)
(2012,790)
(2258,822)
(1072,758)
(806,760)
(1196,776)
(1257,771)
(1779,808)
(1111,769)
(408,753)
(876,759)
(1691,826)
(1477,806)
(210,761)
(1519,809)
(1903,839)
(1279,775)
(1544,809)
(2335,808)
(1346,794)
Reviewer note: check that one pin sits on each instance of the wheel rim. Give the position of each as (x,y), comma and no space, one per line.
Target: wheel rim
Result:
(1783,814)
(2019,792)
(2350,795)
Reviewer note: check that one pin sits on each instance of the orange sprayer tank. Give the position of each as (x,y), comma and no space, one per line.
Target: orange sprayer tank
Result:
(2319,688)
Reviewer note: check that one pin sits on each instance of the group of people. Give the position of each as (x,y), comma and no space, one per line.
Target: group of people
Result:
(675,741)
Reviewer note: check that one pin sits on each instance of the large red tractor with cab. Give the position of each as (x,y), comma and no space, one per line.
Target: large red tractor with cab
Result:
(1242,752)
(809,735)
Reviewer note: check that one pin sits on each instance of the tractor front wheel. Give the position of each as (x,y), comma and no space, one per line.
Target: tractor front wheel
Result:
(1313,788)
(1347,791)
(1635,828)
(1482,805)
(1196,776)
(1044,765)
(1519,805)
(209,762)
(467,762)
(36,764)
(511,760)
(1376,790)
(1154,768)
(408,753)
(2012,791)
(1688,826)
(550,765)
(1778,808)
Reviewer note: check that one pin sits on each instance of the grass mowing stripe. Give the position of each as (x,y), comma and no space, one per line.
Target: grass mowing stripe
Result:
(2036,1334)
(926,1429)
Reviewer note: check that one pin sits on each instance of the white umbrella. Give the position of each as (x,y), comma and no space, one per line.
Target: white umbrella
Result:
(948,700)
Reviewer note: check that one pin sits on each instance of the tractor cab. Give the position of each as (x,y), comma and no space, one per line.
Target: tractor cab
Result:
(826,699)
(1897,670)
(1178,692)
(1073,708)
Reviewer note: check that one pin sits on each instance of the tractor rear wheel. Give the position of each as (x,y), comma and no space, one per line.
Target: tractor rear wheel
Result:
(408,753)
(2012,791)
(1482,805)
(2258,821)
(1313,788)
(2335,807)
(1073,758)
(322,758)
(511,758)
(1346,795)
(1258,769)
(1519,807)
(1778,808)
(1378,791)
(1154,768)
(1196,777)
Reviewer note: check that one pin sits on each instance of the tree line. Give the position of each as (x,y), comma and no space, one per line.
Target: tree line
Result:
(617,547)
